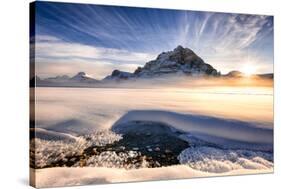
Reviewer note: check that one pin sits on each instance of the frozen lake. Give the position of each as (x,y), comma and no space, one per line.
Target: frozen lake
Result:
(230,129)
(99,108)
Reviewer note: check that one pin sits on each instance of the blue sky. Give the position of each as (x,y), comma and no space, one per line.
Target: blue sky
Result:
(98,39)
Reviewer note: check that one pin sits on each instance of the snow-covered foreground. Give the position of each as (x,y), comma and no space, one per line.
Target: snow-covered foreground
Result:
(230,132)
(99,175)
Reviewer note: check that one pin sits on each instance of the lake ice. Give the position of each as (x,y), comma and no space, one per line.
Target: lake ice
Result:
(229,132)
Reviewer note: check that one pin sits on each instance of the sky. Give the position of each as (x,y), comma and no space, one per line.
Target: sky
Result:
(97,39)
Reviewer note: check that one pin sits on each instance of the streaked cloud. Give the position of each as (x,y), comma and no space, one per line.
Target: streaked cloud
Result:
(119,36)
(55,56)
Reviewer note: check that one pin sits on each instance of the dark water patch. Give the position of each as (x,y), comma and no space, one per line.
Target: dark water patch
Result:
(157,143)
(153,145)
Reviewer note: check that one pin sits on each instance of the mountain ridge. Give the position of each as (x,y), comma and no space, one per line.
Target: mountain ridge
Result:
(178,62)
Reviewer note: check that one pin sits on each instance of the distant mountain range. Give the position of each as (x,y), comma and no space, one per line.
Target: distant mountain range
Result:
(81,79)
(238,74)
(179,62)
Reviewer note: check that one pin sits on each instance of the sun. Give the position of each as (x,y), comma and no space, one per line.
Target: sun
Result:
(248,70)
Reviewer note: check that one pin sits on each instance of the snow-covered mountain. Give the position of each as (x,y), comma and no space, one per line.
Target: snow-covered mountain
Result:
(119,75)
(80,79)
(180,61)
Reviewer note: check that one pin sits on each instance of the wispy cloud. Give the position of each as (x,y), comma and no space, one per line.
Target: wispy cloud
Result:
(228,41)
(124,35)
(55,56)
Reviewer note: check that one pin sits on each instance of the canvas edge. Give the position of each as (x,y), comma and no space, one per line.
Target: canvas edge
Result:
(32,173)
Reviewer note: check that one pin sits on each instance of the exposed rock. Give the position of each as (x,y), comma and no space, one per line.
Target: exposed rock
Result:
(131,151)
(179,61)
(119,75)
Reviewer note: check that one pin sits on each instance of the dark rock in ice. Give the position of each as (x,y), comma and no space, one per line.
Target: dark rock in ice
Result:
(137,148)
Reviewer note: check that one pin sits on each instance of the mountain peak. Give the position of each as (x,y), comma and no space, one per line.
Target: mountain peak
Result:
(117,75)
(180,60)
(179,47)
(81,73)
(82,76)
(80,79)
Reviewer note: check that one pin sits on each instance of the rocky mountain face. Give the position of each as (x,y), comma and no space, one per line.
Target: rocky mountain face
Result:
(179,61)
(116,75)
